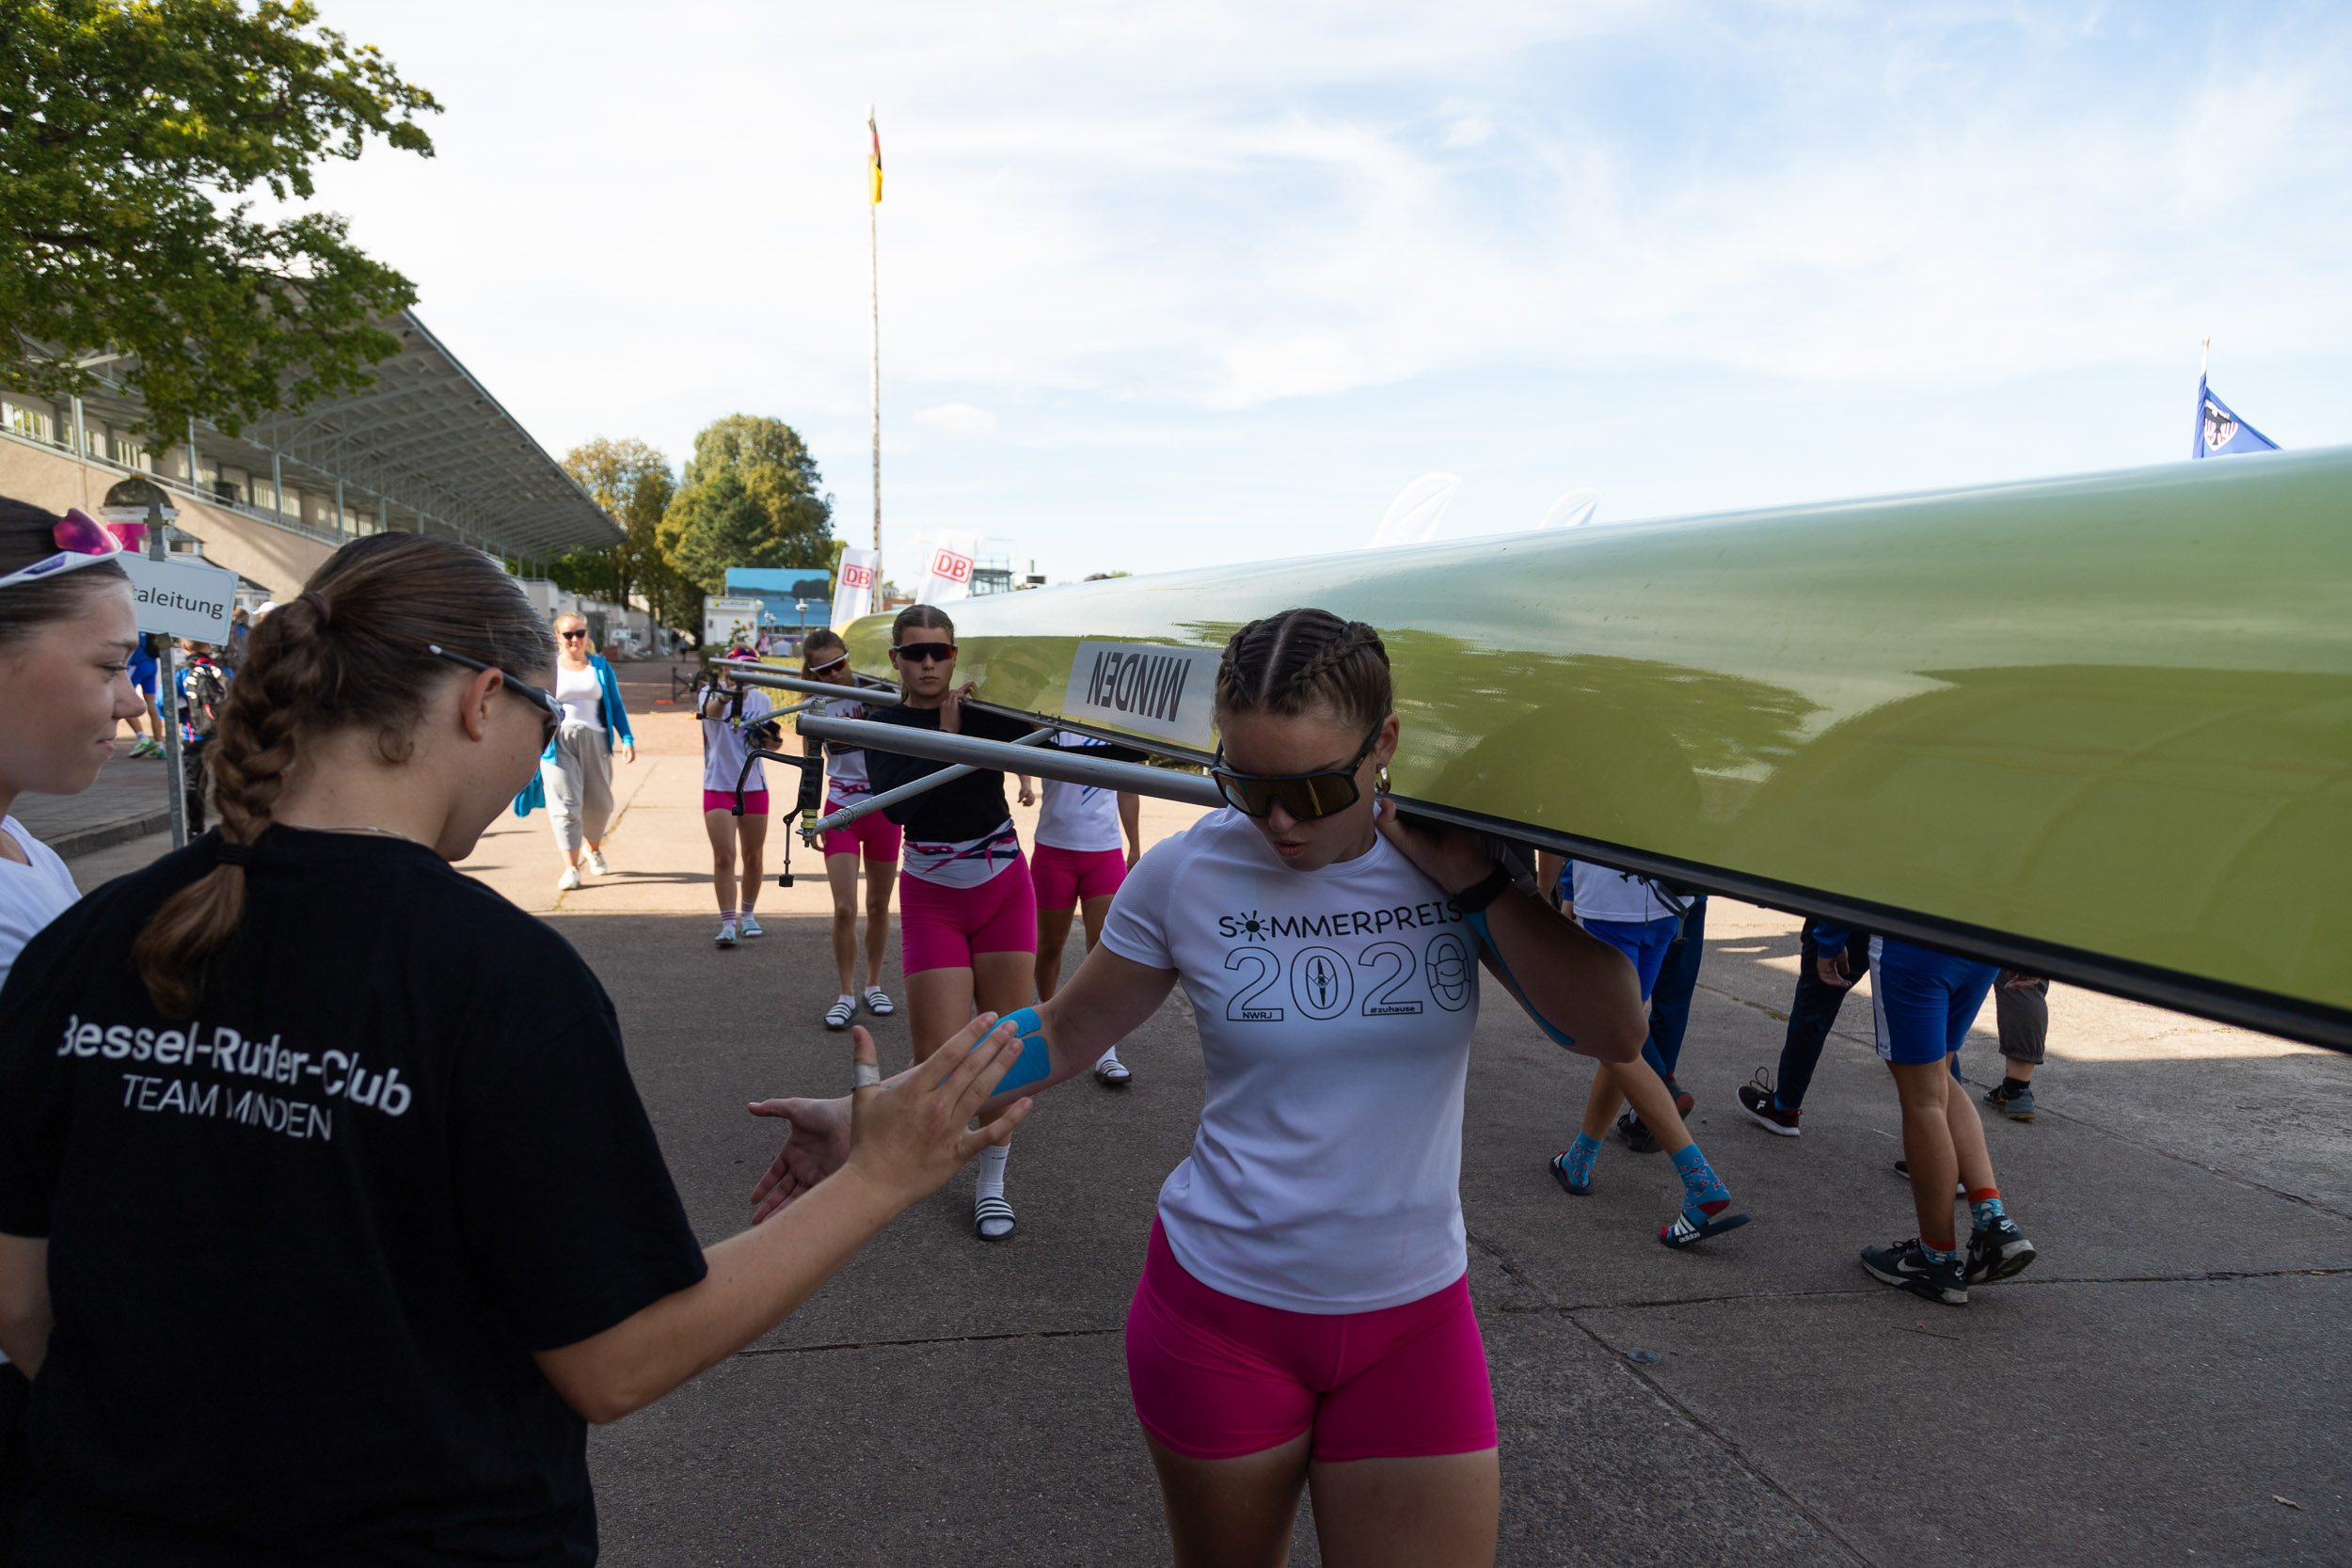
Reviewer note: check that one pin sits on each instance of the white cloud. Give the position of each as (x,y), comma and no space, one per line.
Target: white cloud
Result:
(961,419)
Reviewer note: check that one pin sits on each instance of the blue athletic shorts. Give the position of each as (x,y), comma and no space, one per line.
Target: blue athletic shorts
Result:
(1642,941)
(143,675)
(1923,1001)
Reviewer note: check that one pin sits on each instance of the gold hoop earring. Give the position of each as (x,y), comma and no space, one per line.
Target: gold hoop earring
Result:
(1383,785)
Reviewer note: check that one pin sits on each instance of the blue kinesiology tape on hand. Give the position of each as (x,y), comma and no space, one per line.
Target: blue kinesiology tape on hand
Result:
(1477,920)
(1036,1061)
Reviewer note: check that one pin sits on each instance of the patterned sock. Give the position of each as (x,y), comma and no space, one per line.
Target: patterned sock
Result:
(1985,1204)
(1936,1254)
(1579,1163)
(1704,1196)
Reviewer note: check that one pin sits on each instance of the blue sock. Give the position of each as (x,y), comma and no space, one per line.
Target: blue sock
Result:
(1987,1211)
(1936,1254)
(1704,1196)
(1577,1165)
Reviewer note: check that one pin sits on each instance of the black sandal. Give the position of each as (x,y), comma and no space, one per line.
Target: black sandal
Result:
(991,1209)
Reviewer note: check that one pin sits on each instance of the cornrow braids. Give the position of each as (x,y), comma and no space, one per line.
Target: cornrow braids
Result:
(1305,659)
(348,653)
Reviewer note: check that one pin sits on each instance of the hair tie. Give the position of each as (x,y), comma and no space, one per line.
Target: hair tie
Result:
(234,853)
(316,601)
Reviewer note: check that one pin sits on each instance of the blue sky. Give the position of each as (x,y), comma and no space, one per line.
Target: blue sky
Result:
(1164,285)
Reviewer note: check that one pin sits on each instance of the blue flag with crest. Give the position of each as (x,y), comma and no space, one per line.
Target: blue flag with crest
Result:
(2220,431)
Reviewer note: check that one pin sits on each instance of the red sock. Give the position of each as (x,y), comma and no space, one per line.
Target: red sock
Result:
(1978,1194)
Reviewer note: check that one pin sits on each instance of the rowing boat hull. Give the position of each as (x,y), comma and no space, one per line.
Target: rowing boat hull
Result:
(2108,718)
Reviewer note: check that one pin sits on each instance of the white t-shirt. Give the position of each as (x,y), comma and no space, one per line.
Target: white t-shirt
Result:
(1618,896)
(1335,1010)
(582,694)
(724,747)
(845,766)
(1078,817)
(30,896)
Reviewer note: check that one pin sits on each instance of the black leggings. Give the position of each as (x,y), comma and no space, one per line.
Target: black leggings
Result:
(1812,1015)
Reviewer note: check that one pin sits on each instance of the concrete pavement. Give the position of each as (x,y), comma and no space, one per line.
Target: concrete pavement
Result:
(2173,1367)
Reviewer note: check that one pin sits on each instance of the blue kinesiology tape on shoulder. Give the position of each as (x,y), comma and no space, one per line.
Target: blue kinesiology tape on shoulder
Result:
(1477,921)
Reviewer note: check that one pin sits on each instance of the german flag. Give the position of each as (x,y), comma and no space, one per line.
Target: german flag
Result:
(873,164)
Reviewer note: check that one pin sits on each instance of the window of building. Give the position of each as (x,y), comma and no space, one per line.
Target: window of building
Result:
(26,420)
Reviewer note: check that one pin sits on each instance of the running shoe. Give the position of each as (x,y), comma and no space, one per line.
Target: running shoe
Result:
(1907,1266)
(877,1003)
(142,747)
(596,865)
(1682,1102)
(1902,1168)
(569,881)
(1637,1137)
(2016,1105)
(1757,1100)
(837,1016)
(1998,1251)
(726,935)
(749,925)
(1112,1073)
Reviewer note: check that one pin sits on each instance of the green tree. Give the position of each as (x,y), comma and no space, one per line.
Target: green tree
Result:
(135,137)
(749,497)
(632,480)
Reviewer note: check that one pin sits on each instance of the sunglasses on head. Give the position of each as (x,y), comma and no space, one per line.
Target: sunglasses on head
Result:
(551,711)
(1304,796)
(81,539)
(924,653)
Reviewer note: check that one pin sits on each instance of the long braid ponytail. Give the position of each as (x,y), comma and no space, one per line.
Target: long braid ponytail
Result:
(348,654)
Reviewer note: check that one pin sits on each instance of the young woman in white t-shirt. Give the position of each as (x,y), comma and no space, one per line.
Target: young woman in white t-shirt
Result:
(1087,839)
(872,840)
(66,631)
(727,745)
(1304,1316)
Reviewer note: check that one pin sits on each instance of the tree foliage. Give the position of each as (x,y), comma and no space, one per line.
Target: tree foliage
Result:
(136,136)
(630,479)
(749,497)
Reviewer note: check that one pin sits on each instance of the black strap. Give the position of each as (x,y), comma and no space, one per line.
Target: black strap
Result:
(1491,887)
(234,853)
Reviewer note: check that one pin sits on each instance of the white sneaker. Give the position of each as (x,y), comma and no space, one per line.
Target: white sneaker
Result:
(569,880)
(596,863)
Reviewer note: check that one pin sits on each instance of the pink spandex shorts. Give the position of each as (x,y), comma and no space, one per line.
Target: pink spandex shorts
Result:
(1064,877)
(873,837)
(755,801)
(1216,1377)
(941,927)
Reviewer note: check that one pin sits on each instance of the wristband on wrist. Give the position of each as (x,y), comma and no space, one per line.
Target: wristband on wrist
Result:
(1479,894)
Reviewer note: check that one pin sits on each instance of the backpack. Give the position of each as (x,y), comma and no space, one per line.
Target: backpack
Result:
(204,694)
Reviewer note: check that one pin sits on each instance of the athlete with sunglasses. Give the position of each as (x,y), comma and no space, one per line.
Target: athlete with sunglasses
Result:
(967,913)
(1304,1315)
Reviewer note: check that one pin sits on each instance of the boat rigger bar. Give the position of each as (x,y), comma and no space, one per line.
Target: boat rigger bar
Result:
(1020,756)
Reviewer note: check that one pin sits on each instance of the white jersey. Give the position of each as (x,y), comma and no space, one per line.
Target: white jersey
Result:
(1617,896)
(31,897)
(1078,817)
(845,766)
(724,747)
(1335,1010)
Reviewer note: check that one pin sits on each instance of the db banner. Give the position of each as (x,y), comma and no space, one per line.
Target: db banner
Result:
(950,571)
(853,590)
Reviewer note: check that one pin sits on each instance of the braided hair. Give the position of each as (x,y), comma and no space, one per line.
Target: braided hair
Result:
(1305,660)
(348,654)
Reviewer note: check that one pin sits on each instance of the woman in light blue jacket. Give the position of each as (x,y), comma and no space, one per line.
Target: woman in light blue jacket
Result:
(574,779)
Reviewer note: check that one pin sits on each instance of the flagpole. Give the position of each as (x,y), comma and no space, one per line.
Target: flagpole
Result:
(2204,359)
(873,251)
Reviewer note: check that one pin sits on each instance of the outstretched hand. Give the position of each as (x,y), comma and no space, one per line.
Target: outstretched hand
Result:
(907,1134)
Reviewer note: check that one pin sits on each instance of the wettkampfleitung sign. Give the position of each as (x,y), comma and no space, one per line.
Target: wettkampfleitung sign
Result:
(181,599)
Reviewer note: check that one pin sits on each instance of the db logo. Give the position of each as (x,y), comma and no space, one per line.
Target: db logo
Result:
(954,567)
(857,577)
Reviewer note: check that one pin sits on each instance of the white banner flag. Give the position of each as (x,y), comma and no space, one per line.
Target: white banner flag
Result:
(949,566)
(853,590)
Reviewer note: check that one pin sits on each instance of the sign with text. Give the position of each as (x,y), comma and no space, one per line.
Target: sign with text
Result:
(730,621)
(853,589)
(1140,686)
(181,599)
(948,566)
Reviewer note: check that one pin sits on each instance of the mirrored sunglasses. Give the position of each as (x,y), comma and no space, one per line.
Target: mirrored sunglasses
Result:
(1304,796)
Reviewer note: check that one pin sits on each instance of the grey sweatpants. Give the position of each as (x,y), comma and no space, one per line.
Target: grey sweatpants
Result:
(579,785)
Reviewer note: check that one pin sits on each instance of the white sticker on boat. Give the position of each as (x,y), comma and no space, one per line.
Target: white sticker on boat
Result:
(1141,685)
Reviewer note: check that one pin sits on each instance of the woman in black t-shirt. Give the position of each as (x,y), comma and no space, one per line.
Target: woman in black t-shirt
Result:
(328,1212)
(968,912)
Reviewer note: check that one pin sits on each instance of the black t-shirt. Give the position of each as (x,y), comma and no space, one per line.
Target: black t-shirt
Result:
(961,808)
(302,1247)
